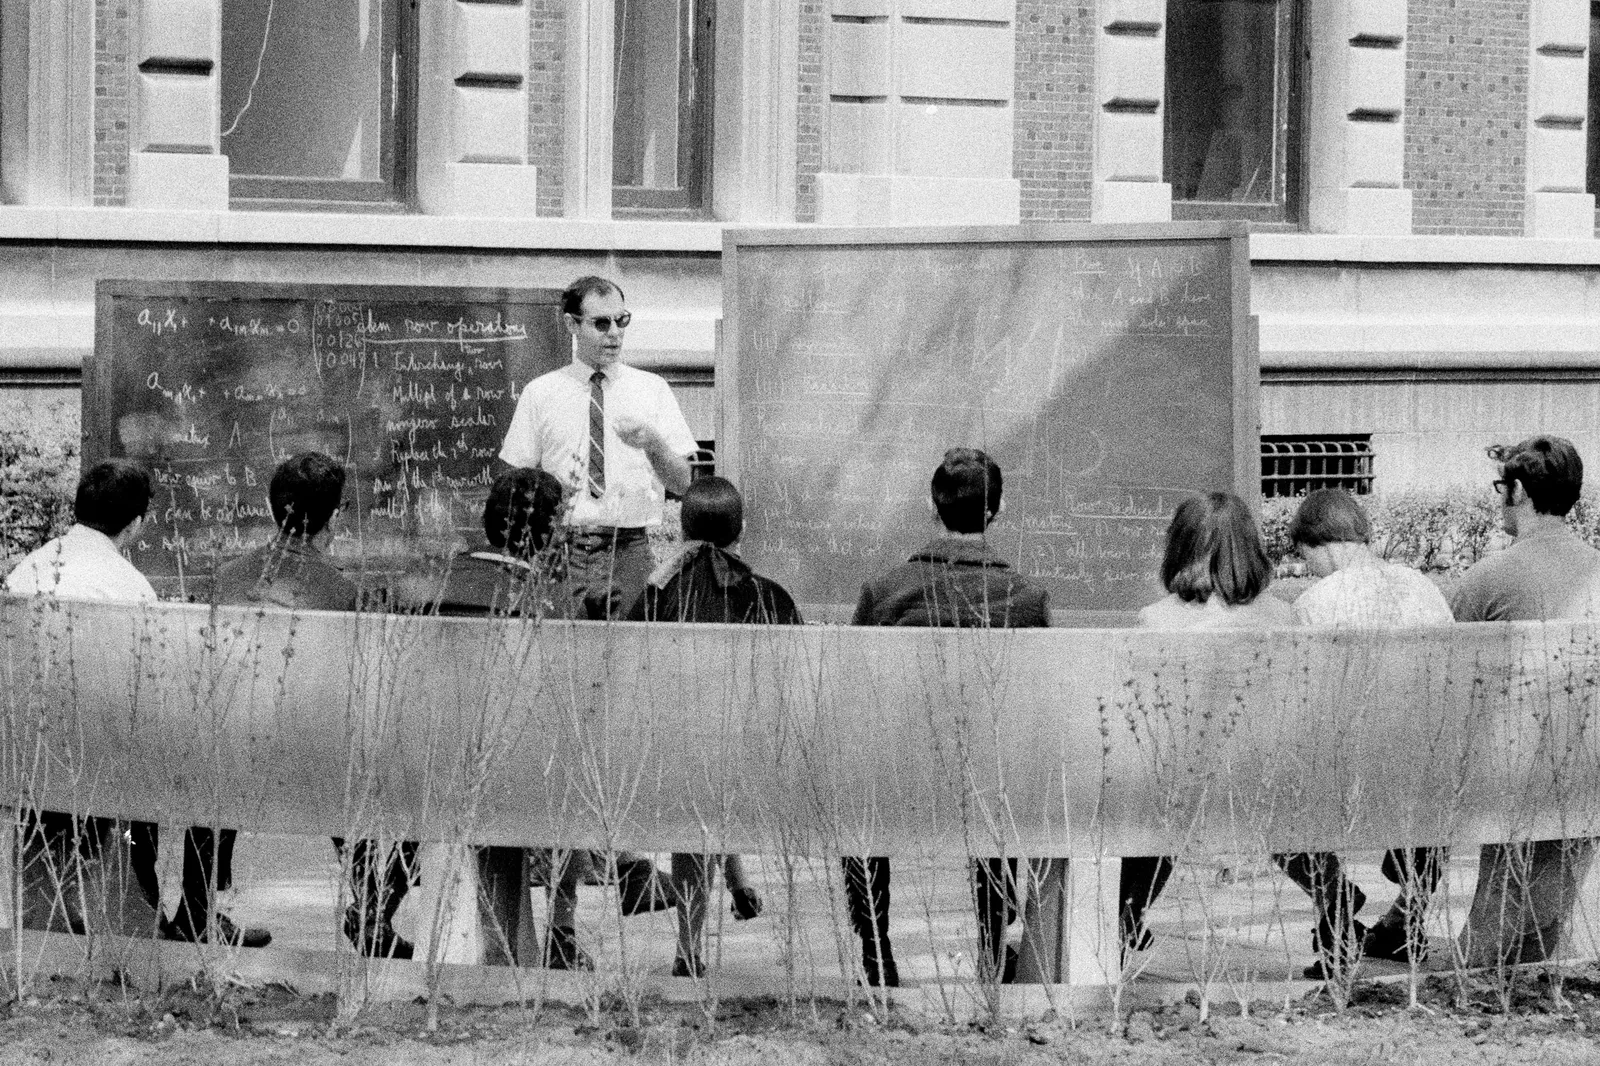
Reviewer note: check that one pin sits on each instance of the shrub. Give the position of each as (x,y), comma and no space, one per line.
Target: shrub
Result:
(36,490)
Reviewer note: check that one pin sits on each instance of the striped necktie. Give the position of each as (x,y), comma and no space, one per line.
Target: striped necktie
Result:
(597,435)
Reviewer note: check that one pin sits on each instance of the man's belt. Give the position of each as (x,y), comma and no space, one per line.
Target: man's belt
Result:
(596,536)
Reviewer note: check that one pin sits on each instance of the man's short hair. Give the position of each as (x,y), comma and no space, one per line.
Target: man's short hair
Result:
(521,511)
(111,496)
(573,296)
(1329,516)
(966,490)
(306,489)
(1214,548)
(1549,468)
(712,511)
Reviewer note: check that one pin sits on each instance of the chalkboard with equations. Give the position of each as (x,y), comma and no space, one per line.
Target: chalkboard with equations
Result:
(211,385)
(1110,371)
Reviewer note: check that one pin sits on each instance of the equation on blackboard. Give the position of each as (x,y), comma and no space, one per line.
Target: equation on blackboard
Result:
(211,385)
(1111,373)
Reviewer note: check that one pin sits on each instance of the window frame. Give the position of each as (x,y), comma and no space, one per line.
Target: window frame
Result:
(395,190)
(1287,210)
(693,197)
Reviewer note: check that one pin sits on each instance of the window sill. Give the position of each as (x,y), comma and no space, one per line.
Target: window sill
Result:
(353,228)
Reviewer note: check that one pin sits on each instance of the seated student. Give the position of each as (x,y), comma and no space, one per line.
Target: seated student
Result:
(1330,530)
(1216,573)
(954,581)
(522,575)
(708,582)
(86,563)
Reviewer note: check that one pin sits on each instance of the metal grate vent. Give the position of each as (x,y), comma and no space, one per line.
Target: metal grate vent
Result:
(1293,465)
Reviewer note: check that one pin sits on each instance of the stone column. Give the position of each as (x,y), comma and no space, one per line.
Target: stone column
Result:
(1130,84)
(920,113)
(175,152)
(1357,118)
(591,50)
(1558,105)
(47,100)
(473,109)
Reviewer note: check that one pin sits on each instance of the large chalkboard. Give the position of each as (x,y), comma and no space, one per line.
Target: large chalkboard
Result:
(212,384)
(1111,371)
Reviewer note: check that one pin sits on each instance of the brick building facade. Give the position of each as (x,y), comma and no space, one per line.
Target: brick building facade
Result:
(1423,267)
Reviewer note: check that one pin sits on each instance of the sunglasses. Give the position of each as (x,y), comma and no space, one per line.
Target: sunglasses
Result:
(602,323)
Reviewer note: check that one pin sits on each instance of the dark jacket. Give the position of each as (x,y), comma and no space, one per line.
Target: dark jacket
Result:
(483,583)
(952,583)
(711,584)
(289,572)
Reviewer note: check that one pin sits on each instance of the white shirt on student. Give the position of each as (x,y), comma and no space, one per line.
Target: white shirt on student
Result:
(550,430)
(81,564)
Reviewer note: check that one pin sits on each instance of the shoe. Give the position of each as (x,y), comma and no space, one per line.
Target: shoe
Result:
(691,967)
(375,937)
(1335,962)
(1388,940)
(643,889)
(183,926)
(561,951)
(746,904)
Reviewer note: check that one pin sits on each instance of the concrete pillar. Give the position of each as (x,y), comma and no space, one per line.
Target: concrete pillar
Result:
(920,113)
(1558,104)
(1071,935)
(47,100)
(473,110)
(175,158)
(1130,84)
(1357,118)
(591,49)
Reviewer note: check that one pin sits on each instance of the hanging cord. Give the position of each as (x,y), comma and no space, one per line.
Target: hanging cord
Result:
(249,97)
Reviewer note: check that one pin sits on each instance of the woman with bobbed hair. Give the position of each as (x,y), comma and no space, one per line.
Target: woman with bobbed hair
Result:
(1216,574)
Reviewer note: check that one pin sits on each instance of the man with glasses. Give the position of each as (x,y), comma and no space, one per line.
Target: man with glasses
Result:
(1527,889)
(614,436)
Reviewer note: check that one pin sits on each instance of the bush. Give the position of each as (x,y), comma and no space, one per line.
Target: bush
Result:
(36,490)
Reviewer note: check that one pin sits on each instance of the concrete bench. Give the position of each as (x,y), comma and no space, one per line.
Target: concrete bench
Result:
(1082,745)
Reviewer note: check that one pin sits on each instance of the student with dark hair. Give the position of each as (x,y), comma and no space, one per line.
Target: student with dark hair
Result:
(1216,573)
(1356,588)
(955,580)
(612,434)
(1526,890)
(86,562)
(708,582)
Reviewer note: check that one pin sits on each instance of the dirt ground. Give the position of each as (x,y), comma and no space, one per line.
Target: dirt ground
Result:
(1549,1023)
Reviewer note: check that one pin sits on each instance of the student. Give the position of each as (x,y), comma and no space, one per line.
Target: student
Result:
(521,575)
(953,581)
(1356,588)
(708,582)
(1216,572)
(86,563)
(290,571)
(612,434)
(1526,890)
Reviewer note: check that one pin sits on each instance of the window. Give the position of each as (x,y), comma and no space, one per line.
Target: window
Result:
(1233,109)
(661,133)
(1294,465)
(1594,100)
(316,98)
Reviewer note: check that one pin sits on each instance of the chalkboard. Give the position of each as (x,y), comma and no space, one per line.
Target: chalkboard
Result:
(1111,371)
(211,385)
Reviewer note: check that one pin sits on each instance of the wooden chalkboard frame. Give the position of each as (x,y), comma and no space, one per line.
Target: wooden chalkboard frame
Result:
(1244,333)
(99,375)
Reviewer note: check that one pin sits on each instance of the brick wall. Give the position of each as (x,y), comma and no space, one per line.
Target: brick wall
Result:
(111,102)
(810,142)
(1054,109)
(1466,112)
(547,100)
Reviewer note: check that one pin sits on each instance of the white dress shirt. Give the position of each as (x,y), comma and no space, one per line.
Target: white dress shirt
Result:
(550,430)
(82,564)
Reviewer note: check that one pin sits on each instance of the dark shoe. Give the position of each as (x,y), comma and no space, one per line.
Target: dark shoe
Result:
(1335,960)
(1388,940)
(561,951)
(682,967)
(746,904)
(643,889)
(375,937)
(193,929)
